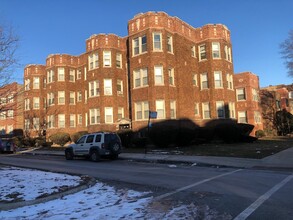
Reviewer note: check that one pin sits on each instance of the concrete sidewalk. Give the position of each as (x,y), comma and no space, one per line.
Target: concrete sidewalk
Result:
(283,159)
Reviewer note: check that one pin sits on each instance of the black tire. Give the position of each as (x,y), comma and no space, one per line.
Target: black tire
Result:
(94,156)
(69,154)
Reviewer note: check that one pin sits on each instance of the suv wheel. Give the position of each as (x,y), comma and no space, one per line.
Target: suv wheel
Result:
(69,154)
(94,156)
(115,147)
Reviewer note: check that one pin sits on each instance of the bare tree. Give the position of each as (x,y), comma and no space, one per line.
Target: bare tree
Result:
(287,53)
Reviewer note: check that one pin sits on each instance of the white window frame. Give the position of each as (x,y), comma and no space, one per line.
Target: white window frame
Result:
(169,43)
(36,123)
(95,116)
(230,81)
(79,96)
(172,109)
(108,88)
(93,61)
(36,83)
(241,94)
(61,121)
(108,115)
(72,119)
(119,87)
(27,104)
(242,117)
(72,75)
(255,96)
(160,109)
(107,59)
(118,60)
(72,98)
(61,74)
(232,110)
(140,78)
(50,76)
(202,52)
(193,51)
(120,113)
(61,97)
(51,121)
(94,88)
(51,100)
(204,81)
(141,110)
(216,50)
(159,75)
(36,103)
(218,80)
(257,117)
(79,119)
(171,76)
(206,111)
(157,45)
(196,109)
(10,113)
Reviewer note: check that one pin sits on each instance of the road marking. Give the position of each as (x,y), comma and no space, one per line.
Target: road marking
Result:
(249,210)
(193,185)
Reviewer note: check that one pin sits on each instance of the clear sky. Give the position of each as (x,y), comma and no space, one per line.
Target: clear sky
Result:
(62,26)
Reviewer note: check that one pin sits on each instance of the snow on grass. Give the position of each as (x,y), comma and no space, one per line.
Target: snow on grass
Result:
(18,184)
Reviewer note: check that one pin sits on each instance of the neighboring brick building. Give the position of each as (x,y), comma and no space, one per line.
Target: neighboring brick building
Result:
(248,107)
(11,109)
(163,65)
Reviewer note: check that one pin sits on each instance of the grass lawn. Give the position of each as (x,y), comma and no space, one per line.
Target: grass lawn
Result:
(259,149)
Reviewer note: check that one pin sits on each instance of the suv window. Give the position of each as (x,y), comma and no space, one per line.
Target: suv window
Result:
(90,139)
(98,138)
(81,140)
(110,137)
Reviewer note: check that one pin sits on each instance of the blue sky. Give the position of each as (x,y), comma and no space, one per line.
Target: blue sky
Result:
(62,26)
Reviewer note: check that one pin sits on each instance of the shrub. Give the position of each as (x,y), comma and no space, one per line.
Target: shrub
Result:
(126,136)
(28,142)
(40,141)
(260,133)
(60,138)
(74,137)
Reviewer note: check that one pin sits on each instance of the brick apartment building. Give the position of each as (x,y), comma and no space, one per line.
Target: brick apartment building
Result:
(163,65)
(11,109)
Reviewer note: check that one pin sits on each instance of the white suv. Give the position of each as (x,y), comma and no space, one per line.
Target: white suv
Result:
(94,146)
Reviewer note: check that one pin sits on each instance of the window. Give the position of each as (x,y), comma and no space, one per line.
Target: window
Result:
(291,95)
(240,94)
(194,79)
(107,86)
(93,60)
(157,41)
(140,77)
(79,119)
(36,83)
(51,121)
(232,109)
(206,110)
(61,98)
(45,83)
(230,81)
(216,50)
(220,109)
(79,74)
(107,58)
(228,53)
(257,117)
(10,98)
(10,113)
(218,79)
(36,102)
(26,104)
(2,115)
(242,117)
(36,123)
(193,53)
(120,113)
(95,117)
(196,109)
(143,43)
(202,52)
(72,98)
(94,88)
(72,75)
(26,84)
(119,87)
(118,60)
(108,115)
(160,108)
(170,43)
(204,81)
(255,96)
(171,76)
(141,110)
(173,109)
(61,121)
(159,76)
(50,76)
(50,98)
(72,121)
(79,96)
(136,48)
(61,74)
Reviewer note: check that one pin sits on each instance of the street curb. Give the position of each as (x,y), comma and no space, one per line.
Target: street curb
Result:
(87,183)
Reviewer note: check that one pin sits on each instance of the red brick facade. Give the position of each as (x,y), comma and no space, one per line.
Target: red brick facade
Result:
(163,65)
